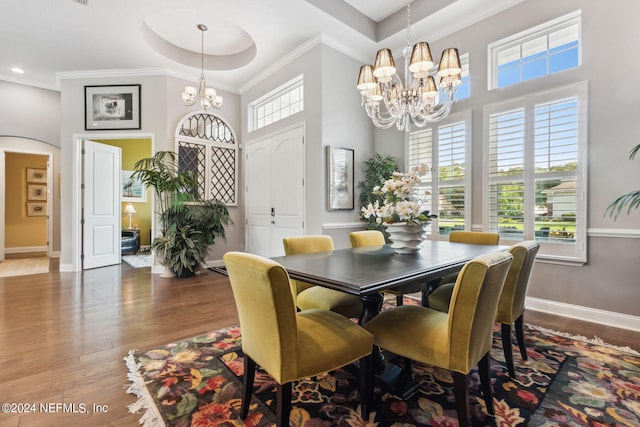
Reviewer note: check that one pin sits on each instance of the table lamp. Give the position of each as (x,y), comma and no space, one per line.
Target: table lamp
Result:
(130,210)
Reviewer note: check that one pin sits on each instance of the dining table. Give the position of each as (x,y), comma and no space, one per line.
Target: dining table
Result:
(367,271)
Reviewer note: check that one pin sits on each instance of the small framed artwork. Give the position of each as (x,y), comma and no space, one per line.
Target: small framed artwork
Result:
(339,178)
(37,175)
(36,192)
(132,189)
(36,209)
(112,107)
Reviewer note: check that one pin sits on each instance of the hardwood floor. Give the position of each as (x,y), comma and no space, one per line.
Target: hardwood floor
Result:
(63,336)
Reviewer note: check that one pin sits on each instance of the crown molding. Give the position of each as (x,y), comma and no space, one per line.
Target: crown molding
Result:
(140,72)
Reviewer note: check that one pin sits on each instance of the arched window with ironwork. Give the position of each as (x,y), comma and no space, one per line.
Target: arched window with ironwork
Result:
(207,145)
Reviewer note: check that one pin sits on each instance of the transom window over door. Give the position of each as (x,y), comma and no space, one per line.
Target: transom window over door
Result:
(535,148)
(207,145)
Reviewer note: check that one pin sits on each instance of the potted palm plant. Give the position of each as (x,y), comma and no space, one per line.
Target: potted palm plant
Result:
(189,224)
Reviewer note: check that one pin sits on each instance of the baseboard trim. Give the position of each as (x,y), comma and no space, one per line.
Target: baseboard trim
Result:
(66,268)
(25,249)
(587,314)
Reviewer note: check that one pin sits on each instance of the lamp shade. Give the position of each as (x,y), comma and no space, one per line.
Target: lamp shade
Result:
(365,78)
(449,63)
(384,66)
(129,209)
(421,61)
(430,90)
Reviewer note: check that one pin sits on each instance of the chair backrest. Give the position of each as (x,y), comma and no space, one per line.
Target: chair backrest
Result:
(366,238)
(472,309)
(268,322)
(475,237)
(306,245)
(511,304)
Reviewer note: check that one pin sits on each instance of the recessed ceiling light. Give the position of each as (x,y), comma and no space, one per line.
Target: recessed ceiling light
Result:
(17,70)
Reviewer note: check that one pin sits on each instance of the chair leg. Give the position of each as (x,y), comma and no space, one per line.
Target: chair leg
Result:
(247,385)
(520,336)
(485,382)
(366,386)
(506,347)
(460,388)
(399,300)
(283,404)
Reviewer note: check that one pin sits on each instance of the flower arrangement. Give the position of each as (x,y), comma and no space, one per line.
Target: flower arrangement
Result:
(401,203)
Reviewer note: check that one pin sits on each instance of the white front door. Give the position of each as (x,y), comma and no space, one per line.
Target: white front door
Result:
(275,191)
(101,231)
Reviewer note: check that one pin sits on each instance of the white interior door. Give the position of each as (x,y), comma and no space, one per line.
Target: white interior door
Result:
(101,229)
(275,191)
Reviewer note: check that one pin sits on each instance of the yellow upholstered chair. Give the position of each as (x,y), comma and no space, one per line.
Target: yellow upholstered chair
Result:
(289,345)
(457,340)
(511,305)
(309,296)
(473,237)
(366,238)
(376,238)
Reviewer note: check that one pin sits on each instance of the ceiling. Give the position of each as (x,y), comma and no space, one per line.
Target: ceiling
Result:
(246,39)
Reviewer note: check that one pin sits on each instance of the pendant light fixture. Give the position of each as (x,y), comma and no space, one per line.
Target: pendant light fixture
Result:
(418,100)
(206,95)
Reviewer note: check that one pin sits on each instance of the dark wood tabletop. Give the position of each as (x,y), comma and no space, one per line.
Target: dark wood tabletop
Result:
(368,270)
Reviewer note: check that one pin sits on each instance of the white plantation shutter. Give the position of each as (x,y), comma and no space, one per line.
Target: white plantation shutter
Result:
(535,171)
(452,156)
(445,150)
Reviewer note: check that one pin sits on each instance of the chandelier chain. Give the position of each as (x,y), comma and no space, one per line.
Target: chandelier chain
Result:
(408,23)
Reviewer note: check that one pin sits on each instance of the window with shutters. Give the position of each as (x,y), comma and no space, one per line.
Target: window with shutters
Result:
(207,146)
(535,149)
(546,49)
(445,150)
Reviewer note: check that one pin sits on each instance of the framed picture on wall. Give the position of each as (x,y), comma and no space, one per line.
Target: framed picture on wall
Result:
(36,192)
(112,107)
(132,189)
(36,209)
(37,175)
(339,178)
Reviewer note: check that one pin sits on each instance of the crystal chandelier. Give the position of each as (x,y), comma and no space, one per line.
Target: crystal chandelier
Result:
(388,101)
(206,95)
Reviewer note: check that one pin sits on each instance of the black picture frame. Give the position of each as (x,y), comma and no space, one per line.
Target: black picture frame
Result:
(112,107)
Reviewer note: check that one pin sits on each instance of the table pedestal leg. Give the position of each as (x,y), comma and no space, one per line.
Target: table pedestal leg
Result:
(388,375)
(372,304)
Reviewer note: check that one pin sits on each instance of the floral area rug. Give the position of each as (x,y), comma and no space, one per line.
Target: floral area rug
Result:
(567,381)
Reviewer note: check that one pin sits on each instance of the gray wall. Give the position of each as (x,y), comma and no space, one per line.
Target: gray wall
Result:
(609,281)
